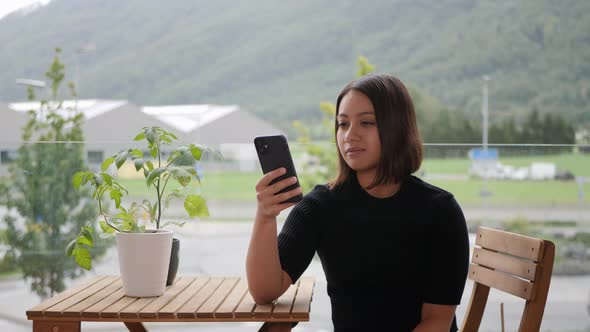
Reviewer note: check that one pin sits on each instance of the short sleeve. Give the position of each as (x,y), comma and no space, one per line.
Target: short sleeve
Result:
(447,258)
(298,238)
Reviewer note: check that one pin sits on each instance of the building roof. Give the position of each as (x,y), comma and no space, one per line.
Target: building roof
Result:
(187,118)
(112,122)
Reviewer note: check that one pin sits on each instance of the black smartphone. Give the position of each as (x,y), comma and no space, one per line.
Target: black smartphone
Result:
(273,152)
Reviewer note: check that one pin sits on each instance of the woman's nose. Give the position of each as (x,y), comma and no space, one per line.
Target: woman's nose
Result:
(352,134)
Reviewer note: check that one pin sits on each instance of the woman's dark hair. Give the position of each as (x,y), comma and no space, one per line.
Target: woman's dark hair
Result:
(401,145)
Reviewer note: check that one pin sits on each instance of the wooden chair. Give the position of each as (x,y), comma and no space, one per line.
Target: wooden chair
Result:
(516,264)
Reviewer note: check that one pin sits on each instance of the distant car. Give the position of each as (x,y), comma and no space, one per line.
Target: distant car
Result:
(564,176)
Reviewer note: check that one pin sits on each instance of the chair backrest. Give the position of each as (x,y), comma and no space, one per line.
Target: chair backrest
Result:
(516,264)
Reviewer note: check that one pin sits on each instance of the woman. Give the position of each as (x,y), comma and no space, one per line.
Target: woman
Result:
(384,237)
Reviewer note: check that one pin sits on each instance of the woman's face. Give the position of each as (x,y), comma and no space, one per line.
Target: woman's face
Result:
(357,134)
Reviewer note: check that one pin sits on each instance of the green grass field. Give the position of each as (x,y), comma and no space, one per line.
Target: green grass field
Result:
(578,164)
(517,192)
(239,186)
(214,186)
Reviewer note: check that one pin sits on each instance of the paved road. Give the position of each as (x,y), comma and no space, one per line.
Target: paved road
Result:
(220,249)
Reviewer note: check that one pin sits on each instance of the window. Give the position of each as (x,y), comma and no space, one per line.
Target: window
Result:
(95,157)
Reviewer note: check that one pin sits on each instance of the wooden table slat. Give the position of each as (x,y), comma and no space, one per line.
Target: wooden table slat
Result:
(246,307)
(226,309)
(208,308)
(57,309)
(189,308)
(113,310)
(302,303)
(78,308)
(284,304)
(132,310)
(152,309)
(171,308)
(263,310)
(38,309)
(189,299)
(96,309)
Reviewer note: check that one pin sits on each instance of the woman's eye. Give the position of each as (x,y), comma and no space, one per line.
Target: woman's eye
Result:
(367,123)
(342,124)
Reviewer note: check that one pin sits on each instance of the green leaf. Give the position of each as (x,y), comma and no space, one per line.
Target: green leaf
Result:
(138,164)
(83,258)
(116,196)
(136,153)
(107,163)
(83,240)
(106,228)
(196,206)
(87,235)
(149,165)
(182,174)
(150,134)
(155,174)
(107,178)
(77,179)
(71,246)
(196,152)
(139,137)
(121,158)
(175,223)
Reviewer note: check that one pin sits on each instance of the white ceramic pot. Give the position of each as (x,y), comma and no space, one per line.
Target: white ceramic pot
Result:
(144,259)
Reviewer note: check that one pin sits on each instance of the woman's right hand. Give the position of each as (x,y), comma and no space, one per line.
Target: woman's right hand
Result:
(269,202)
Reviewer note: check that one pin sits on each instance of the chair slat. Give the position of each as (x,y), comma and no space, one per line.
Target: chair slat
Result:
(226,309)
(246,307)
(284,304)
(510,243)
(504,282)
(188,309)
(169,311)
(57,309)
(519,267)
(76,310)
(302,303)
(220,294)
(151,310)
(477,305)
(38,309)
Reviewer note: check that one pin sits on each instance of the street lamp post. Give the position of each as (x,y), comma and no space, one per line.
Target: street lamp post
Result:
(80,50)
(487,161)
(484,111)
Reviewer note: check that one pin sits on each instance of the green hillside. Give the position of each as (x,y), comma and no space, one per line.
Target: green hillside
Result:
(280,59)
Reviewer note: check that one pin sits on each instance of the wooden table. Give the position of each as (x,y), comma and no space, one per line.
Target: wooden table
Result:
(189,299)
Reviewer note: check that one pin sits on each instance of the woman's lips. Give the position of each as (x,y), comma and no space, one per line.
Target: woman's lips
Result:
(354,152)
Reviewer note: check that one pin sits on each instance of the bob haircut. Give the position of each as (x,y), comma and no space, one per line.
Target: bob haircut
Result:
(401,144)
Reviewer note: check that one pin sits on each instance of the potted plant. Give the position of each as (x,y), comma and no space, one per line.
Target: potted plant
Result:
(144,252)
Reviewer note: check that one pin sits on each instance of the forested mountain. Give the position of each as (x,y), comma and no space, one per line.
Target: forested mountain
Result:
(279,59)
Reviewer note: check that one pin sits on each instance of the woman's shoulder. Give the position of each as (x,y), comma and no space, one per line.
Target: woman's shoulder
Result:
(418,188)
(319,194)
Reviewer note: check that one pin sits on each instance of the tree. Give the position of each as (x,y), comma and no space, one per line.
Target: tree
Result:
(49,212)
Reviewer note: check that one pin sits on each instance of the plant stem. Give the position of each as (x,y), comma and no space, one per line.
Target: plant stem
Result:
(99,196)
(158,192)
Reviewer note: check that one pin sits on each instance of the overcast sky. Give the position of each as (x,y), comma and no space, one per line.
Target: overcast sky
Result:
(7,6)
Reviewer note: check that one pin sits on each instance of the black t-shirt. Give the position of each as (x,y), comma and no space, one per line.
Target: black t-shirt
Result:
(382,258)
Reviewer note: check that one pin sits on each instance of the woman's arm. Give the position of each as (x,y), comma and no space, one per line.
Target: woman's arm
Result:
(436,318)
(266,279)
